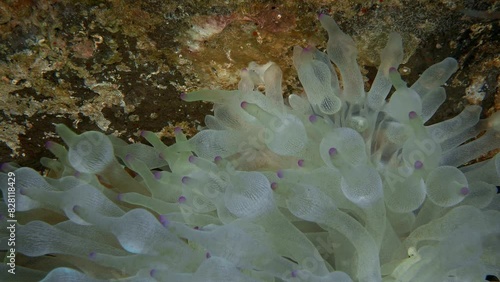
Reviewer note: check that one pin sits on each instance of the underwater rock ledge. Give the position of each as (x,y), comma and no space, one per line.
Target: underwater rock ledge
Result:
(334,185)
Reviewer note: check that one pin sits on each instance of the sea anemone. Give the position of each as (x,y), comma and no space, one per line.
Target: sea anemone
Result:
(334,185)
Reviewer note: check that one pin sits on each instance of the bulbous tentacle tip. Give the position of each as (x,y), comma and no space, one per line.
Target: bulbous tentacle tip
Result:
(152,272)
(308,48)
(48,145)
(208,255)
(177,130)
(181,200)
(66,134)
(332,151)
(163,220)
(119,197)
(412,115)
(92,255)
(300,163)
(280,173)
(313,118)
(217,159)
(157,175)
(244,104)
(274,186)
(418,165)
(192,159)
(464,191)
(395,78)
(129,157)
(185,179)
(76,208)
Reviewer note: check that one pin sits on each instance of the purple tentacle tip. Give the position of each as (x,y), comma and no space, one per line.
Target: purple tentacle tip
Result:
(163,220)
(152,272)
(157,175)
(49,144)
(393,69)
(183,96)
(217,159)
(192,159)
(300,162)
(76,208)
(412,115)
(185,180)
(143,133)
(280,174)
(274,186)
(294,273)
(92,255)
(129,157)
(119,197)
(181,200)
(177,130)
(418,165)
(465,191)
(332,151)
(243,104)
(207,255)
(313,118)
(22,191)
